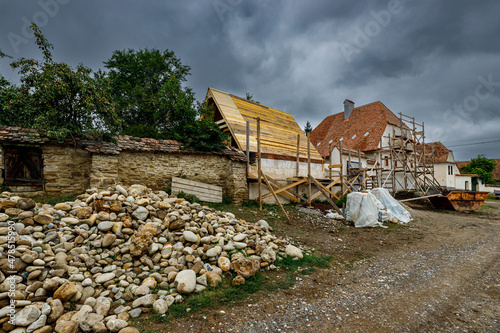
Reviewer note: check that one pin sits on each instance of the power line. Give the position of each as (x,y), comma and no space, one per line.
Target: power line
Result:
(472,144)
(448,141)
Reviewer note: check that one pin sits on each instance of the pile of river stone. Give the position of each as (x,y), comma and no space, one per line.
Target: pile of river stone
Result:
(93,264)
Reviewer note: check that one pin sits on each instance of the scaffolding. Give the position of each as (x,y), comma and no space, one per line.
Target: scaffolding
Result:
(287,190)
(409,166)
(411,162)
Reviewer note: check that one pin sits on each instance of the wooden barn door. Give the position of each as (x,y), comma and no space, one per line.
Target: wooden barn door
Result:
(23,166)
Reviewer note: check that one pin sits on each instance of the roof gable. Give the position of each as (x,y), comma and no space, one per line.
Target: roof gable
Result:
(440,153)
(362,130)
(278,129)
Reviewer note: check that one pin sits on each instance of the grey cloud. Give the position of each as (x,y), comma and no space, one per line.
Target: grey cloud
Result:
(288,53)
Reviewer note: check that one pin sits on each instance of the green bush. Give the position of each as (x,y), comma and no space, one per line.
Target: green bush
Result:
(189,197)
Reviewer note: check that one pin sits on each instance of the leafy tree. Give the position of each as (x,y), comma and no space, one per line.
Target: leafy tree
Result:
(59,99)
(481,166)
(308,128)
(249,97)
(151,99)
(147,88)
(8,114)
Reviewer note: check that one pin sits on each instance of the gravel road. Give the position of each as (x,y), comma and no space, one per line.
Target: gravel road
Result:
(441,274)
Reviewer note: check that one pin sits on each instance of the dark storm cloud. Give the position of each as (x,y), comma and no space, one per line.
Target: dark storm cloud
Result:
(423,58)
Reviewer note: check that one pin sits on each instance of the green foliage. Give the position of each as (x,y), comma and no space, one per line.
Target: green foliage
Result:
(341,201)
(5,188)
(249,97)
(59,99)
(152,101)
(481,166)
(308,128)
(189,197)
(10,115)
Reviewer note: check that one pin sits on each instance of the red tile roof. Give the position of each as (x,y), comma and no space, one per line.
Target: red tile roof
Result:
(15,135)
(439,151)
(370,119)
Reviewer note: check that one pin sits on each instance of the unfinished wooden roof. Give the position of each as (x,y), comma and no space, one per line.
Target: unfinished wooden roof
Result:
(278,129)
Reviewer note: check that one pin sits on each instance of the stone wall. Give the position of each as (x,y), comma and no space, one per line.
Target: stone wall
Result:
(104,170)
(69,171)
(156,170)
(65,170)
(2,171)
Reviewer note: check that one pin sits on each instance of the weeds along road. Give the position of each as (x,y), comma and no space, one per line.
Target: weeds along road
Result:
(441,274)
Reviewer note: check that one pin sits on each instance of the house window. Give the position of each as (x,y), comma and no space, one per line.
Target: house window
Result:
(386,161)
(450,170)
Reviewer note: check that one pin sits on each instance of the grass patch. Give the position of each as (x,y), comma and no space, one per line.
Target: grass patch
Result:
(224,294)
(52,200)
(213,297)
(484,207)
(491,197)
(250,212)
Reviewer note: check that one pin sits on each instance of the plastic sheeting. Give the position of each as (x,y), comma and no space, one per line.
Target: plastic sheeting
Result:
(371,208)
(362,208)
(398,212)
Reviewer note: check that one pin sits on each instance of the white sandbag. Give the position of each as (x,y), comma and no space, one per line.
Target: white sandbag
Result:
(397,211)
(362,209)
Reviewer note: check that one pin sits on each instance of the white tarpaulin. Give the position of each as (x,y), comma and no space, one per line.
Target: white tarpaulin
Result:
(371,208)
(398,211)
(362,209)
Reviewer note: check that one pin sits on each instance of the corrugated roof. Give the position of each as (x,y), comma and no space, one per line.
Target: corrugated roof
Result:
(279,129)
(370,118)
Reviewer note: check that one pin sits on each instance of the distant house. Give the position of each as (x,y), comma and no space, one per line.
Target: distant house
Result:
(279,134)
(447,172)
(369,130)
(496,175)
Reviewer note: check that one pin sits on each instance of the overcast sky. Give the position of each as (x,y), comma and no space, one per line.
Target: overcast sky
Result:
(437,61)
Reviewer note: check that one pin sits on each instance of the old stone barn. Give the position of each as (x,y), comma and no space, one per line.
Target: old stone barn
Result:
(32,163)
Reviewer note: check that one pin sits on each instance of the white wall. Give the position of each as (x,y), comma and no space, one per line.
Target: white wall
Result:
(282,170)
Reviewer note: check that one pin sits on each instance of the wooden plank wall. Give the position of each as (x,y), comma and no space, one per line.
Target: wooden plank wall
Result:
(205,192)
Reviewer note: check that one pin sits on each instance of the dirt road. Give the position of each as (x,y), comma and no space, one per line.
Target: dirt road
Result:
(439,274)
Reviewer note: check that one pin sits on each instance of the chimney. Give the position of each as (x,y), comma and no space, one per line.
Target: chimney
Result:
(348,107)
